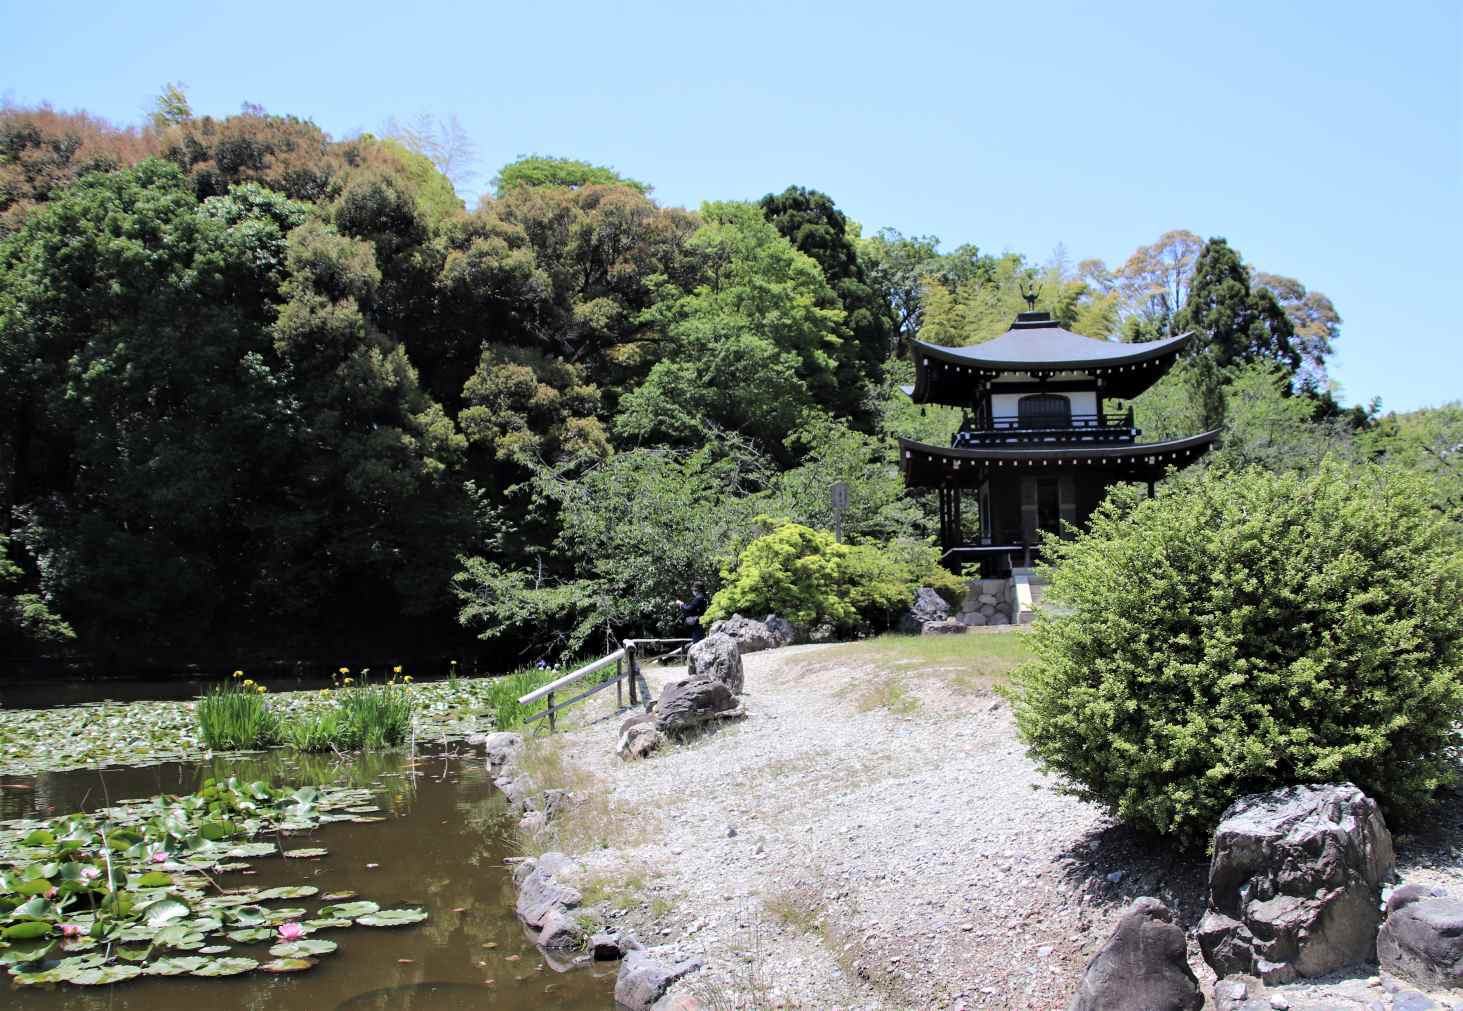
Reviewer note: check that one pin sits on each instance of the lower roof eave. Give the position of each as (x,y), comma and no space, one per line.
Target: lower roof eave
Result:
(1146,460)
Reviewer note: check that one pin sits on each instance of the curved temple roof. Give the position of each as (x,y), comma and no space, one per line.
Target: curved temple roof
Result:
(927,466)
(1037,345)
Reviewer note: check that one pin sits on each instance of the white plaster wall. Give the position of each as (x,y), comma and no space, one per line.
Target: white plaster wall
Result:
(1004,405)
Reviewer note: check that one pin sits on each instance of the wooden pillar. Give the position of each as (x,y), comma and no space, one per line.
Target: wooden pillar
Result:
(1150,488)
(957,529)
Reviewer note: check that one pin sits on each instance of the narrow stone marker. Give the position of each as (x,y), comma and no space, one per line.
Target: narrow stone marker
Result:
(1142,967)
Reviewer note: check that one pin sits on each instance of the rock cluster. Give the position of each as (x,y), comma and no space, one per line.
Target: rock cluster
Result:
(643,981)
(1295,884)
(928,606)
(708,690)
(545,902)
(752,636)
(947,627)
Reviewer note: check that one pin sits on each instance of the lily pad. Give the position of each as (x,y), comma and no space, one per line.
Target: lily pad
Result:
(349,910)
(226,967)
(288,892)
(250,935)
(177,966)
(339,896)
(214,949)
(281,965)
(330,923)
(307,853)
(162,913)
(104,975)
(253,849)
(303,949)
(392,918)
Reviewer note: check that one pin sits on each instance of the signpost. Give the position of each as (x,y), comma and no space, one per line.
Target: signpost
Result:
(839,497)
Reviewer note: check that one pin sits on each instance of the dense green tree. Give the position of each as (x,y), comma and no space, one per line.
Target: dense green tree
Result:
(26,619)
(1428,442)
(566,173)
(898,269)
(752,341)
(290,155)
(1230,320)
(810,221)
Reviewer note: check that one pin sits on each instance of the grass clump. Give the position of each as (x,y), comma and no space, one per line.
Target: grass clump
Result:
(372,716)
(236,716)
(504,692)
(317,730)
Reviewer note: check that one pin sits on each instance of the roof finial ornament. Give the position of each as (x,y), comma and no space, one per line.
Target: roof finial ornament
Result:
(1030,296)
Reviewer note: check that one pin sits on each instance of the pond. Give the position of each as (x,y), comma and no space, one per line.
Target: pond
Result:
(441,847)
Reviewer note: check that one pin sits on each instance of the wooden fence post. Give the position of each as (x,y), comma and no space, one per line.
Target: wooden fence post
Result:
(550,700)
(634,667)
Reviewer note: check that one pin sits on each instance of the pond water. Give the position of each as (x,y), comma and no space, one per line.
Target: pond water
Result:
(441,847)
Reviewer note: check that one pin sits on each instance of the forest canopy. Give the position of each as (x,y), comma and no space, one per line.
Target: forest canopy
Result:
(264,389)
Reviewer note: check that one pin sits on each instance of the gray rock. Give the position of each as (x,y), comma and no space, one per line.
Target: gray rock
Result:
(1240,993)
(643,981)
(750,636)
(612,945)
(1295,883)
(561,932)
(1422,939)
(822,633)
(783,632)
(501,748)
(1411,1000)
(640,740)
(1142,967)
(946,627)
(690,702)
(928,606)
(533,821)
(541,893)
(717,658)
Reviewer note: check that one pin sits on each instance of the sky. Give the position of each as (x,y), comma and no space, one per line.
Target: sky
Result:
(1324,140)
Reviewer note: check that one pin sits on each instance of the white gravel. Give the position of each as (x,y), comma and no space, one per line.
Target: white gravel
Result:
(815,856)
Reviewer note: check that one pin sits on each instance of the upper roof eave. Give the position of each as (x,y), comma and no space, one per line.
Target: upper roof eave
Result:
(972,355)
(1043,452)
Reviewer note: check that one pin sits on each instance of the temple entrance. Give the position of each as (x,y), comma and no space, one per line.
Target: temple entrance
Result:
(1048,504)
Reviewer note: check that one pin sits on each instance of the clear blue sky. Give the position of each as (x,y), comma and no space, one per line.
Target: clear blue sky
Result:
(1323,139)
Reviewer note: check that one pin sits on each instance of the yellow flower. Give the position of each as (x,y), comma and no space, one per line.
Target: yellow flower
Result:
(238,673)
(345,670)
(407,679)
(396,669)
(248,682)
(350,681)
(260,689)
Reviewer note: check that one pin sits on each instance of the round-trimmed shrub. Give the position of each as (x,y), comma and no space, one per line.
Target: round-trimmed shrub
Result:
(1245,631)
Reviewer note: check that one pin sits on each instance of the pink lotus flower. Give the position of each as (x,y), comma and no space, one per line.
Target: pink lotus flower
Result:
(159,857)
(90,873)
(291,932)
(72,930)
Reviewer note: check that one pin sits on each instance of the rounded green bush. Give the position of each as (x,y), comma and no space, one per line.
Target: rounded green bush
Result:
(1245,631)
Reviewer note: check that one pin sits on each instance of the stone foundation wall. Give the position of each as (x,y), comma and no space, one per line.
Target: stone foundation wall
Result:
(987,602)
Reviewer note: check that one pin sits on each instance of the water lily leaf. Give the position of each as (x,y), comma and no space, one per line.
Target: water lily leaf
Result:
(303,949)
(226,967)
(27,931)
(104,975)
(166,911)
(154,879)
(280,965)
(363,809)
(36,909)
(214,949)
(134,954)
(81,962)
(308,853)
(278,916)
(33,978)
(216,830)
(178,966)
(252,849)
(349,910)
(288,892)
(40,837)
(250,935)
(330,923)
(179,937)
(392,918)
(39,886)
(22,955)
(339,896)
(366,819)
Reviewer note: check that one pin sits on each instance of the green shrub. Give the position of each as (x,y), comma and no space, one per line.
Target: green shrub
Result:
(235,716)
(1246,631)
(803,575)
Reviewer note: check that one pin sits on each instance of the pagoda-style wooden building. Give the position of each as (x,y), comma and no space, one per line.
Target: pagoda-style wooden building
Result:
(1038,444)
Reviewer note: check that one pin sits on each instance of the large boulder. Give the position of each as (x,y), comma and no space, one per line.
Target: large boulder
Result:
(749,635)
(541,893)
(928,606)
(783,632)
(1422,938)
(1295,884)
(716,658)
(643,981)
(690,702)
(638,737)
(1142,967)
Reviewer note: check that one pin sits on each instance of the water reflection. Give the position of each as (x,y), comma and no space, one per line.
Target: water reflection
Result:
(441,846)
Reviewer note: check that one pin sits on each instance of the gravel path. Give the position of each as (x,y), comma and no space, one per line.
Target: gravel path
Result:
(819,856)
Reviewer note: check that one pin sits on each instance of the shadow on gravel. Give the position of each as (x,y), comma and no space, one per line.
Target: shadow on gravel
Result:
(1113,865)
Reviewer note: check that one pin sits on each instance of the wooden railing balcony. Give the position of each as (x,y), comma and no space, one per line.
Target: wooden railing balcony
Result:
(1106,428)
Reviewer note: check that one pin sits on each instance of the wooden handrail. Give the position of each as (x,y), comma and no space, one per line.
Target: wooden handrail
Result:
(570,678)
(625,652)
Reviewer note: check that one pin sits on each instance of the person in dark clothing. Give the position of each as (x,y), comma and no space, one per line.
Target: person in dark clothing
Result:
(693,609)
